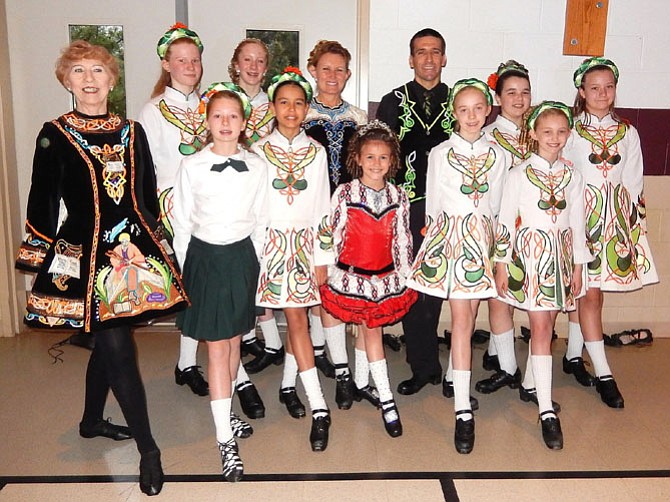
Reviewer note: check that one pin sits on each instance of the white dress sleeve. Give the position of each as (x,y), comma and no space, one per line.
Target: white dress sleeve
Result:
(323,249)
(509,210)
(581,252)
(183,205)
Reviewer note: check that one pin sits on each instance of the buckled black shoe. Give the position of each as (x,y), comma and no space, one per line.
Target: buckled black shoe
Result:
(416,383)
(233,469)
(192,377)
(464,433)
(448,392)
(151,473)
(551,430)
(104,428)
(530,395)
(268,357)
(344,391)
(318,435)
(369,393)
(499,380)
(490,362)
(391,419)
(324,365)
(609,392)
(254,347)
(576,367)
(289,398)
(250,401)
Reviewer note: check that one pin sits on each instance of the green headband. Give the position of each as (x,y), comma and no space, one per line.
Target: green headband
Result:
(176,32)
(290,73)
(469,82)
(589,64)
(547,105)
(224,86)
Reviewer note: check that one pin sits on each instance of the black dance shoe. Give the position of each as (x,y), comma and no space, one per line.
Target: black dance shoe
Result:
(416,383)
(268,357)
(530,395)
(289,397)
(324,365)
(344,391)
(151,473)
(499,380)
(369,393)
(391,419)
(106,429)
(250,401)
(241,429)
(490,362)
(254,347)
(448,392)
(464,433)
(192,377)
(576,367)
(318,436)
(609,392)
(551,430)
(233,469)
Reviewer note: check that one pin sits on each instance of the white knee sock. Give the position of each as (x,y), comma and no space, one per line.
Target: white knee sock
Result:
(310,380)
(221,414)
(188,350)
(242,377)
(316,334)
(542,373)
(290,373)
(361,369)
(492,348)
(528,379)
(575,341)
(462,393)
(271,334)
(596,352)
(380,375)
(249,337)
(506,356)
(336,338)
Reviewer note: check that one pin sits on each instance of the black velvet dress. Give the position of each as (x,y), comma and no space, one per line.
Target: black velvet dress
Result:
(104,264)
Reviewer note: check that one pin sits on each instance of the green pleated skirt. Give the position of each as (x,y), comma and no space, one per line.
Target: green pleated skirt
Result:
(221,282)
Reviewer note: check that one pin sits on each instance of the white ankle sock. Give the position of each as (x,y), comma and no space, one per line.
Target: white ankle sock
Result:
(596,352)
(380,375)
(462,393)
(290,373)
(575,341)
(449,375)
(242,377)
(271,334)
(528,379)
(249,337)
(506,356)
(310,380)
(542,373)
(361,368)
(188,350)
(336,338)
(221,414)
(316,333)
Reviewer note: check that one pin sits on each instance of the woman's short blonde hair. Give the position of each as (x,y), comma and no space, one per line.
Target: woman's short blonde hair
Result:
(81,49)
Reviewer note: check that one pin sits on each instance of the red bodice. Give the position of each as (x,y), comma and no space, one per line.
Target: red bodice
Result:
(368,239)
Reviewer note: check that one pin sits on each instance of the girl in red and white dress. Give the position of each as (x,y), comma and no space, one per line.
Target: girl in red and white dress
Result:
(373,244)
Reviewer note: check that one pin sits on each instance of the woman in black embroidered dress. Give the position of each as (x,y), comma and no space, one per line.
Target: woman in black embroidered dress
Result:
(103,268)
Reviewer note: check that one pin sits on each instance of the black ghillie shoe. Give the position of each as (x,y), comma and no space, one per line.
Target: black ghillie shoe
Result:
(609,392)
(530,395)
(551,430)
(250,401)
(499,380)
(289,398)
(464,433)
(104,428)
(192,377)
(344,391)
(233,469)
(151,473)
(318,435)
(241,429)
(369,393)
(391,419)
(268,357)
(577,368)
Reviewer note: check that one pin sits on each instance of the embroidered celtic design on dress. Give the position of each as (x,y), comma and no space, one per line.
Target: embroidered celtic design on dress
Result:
(552,189)
(259,124)
(290,180)
(511,144)
(191,126)
(64,251)
(604,150)
(474,170)
(87,124)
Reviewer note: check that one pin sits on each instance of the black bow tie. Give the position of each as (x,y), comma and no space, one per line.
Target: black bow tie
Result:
(239,165)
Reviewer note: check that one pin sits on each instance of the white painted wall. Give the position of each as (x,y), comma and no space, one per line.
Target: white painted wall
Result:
(221,26)
(482,33)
